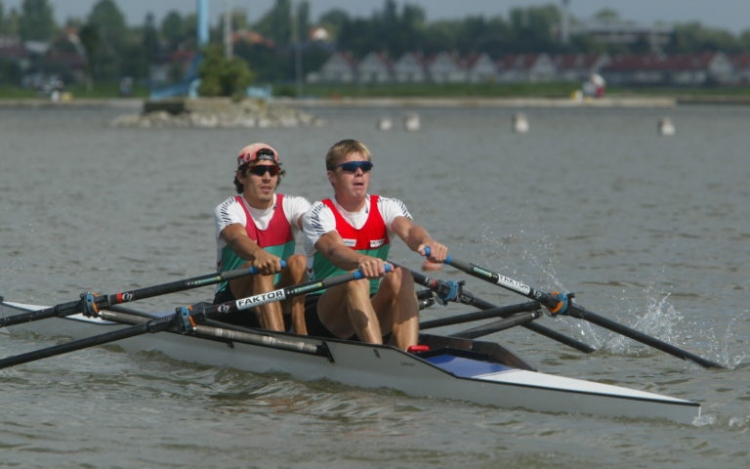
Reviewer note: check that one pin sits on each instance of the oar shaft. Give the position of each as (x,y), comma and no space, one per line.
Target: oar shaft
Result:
(63,309)
(502,281)
(72,346)
(105,301)
(469,299)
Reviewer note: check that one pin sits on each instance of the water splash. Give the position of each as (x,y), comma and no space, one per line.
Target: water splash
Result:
(658,321)
(730,336)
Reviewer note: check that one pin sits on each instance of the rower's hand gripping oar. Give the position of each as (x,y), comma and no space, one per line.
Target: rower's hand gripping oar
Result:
(562,303)
(184,320)
(452,291)
(189,317)
(90,304)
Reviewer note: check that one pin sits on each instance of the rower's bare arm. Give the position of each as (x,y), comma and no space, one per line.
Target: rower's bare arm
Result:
(236,237)
(332,246)
(417,238)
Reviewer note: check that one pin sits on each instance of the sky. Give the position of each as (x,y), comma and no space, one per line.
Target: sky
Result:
(730,15)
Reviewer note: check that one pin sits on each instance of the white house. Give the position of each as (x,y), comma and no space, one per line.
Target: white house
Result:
(579,67)
(339,68)
(446,67)
(480,68)
(529,68)
(376,67)
(410,68)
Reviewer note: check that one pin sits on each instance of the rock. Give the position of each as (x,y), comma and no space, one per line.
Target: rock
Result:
(216,113)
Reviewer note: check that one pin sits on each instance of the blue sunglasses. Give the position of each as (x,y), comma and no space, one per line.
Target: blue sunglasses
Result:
(352,166)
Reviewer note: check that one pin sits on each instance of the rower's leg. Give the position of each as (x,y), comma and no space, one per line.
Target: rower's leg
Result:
(397,308)
(346,310)
(269,315)
(294,274)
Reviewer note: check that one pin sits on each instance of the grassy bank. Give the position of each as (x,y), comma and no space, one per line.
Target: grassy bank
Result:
(519,90)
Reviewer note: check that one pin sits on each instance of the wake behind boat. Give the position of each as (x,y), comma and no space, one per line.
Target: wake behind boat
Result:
(453,368)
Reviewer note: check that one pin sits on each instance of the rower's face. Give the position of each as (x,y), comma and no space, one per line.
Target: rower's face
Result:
(351,176)
(260,181)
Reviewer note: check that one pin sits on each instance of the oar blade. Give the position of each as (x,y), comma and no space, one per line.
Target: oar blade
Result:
(551,300)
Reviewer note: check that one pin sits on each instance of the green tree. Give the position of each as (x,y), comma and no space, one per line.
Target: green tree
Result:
(37,21)
(744,40)
(112,36)
(150,40)
(333,21)
(302,21)
(277,23)
(533,28)
(89,36)
(693,37)
(12,26)
(221,76)
(440,36)
(173,30)
(402,32)
(111,22)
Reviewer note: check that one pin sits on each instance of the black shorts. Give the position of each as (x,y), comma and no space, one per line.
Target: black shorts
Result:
(314,326)
(245,318)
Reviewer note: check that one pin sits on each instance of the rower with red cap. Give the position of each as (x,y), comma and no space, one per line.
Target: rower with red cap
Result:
(257,227)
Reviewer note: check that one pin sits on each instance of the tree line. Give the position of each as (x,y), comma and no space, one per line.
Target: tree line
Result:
(113,49)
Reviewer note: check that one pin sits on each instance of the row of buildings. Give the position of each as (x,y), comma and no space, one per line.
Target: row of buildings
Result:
(627,70)
(653,69)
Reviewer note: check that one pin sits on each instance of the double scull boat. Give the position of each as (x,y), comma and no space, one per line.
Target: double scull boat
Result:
(453,368)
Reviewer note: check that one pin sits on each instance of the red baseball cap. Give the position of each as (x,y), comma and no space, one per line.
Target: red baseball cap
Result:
(257,152)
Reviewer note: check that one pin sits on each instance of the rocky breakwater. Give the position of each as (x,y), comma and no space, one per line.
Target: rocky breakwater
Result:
(216,113)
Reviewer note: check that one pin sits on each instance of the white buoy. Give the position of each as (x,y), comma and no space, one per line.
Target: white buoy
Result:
(411,122)
(520,123)
(666,127)
(385,123)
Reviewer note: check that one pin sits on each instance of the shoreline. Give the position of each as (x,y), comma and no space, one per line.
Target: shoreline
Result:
(406,102)
(521,102)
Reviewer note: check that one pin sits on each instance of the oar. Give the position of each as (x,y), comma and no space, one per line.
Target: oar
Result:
(563,304)
(450,292)
(90,304)
(183,319)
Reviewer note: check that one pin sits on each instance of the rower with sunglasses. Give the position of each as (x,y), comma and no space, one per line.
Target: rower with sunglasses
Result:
(257,228)
(353,230)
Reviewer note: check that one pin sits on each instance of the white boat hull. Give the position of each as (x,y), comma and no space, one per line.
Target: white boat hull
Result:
(462,370)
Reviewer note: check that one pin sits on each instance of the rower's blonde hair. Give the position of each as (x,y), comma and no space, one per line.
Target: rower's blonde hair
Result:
(342,148)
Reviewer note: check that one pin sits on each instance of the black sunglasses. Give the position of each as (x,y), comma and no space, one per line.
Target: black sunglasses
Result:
(260,170)
(352,166)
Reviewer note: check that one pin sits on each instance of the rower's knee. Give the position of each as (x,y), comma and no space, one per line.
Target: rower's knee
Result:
(296,264)
(398,280)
